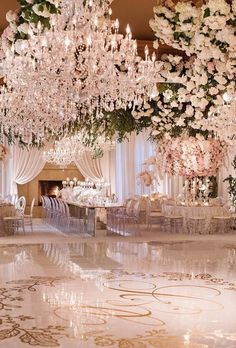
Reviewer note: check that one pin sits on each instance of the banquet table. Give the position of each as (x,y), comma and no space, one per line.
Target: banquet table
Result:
(89,213)
(5,211)
(207,212)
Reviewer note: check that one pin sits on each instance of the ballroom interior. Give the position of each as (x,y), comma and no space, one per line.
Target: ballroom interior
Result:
(117,173)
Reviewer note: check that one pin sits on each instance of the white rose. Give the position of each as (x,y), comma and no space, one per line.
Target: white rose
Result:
(11,16)
(13,27)
(220,79)
(9,34)
(189,110)
(203,103)
(155,132)
(168,94)
(156,119)
(200,93)
(198,115)
(23,28)
(213,91)
(20,46)
(180,122)
(190,86)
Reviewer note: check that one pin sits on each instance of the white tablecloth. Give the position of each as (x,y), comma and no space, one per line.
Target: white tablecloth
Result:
(197,211)
(5,210)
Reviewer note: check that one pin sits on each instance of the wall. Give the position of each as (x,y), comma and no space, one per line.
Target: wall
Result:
(50,172)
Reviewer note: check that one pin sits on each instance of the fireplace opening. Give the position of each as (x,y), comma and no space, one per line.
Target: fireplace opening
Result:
(49,188)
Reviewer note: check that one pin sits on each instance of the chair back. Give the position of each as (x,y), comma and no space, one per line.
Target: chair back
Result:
(20,205)
(136,208)
(8,199)
(32,207)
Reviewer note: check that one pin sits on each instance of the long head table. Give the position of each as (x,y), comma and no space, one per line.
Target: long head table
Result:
(89,214)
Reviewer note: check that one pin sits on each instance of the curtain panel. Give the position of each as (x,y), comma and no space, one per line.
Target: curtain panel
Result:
(99,168)
(27,164)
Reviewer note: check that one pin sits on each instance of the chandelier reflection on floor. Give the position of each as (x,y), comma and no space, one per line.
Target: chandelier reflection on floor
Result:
(81,66)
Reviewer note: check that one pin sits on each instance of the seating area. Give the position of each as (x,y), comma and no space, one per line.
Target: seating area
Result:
(12,215)
(163,214)
(56,212)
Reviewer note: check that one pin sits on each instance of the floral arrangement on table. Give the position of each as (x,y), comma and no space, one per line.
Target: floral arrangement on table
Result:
(232,185)
(3,152)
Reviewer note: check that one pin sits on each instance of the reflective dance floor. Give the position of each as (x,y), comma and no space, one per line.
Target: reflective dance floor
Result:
(118,294)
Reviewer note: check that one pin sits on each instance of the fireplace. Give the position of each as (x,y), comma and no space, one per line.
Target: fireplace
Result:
(49,188)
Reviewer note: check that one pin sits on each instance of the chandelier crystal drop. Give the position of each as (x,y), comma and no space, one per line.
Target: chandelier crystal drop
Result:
(78,68)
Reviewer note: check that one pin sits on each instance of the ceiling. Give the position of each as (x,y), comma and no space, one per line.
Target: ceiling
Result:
(137,13)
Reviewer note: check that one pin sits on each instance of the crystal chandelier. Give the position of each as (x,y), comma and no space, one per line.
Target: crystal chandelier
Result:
(78,68)
(65,151)
(71,149)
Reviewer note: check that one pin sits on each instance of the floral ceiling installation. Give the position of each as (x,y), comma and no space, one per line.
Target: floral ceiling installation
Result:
(195,86)
(198,84)
(100,87)
(70,60)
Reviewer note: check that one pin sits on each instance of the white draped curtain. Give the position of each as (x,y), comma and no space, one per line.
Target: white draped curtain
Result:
(20,167)
(27,164)
(5,182)
(99,168)
(130,158)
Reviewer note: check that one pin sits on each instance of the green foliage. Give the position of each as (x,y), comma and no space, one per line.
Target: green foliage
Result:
(207,13)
